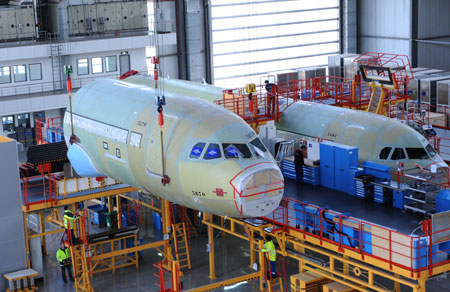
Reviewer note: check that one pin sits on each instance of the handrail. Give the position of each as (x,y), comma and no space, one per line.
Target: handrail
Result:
(415,253)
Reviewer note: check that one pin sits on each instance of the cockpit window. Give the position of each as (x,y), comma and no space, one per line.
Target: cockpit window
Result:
(384,154)
(236,150)
(417,153)
(398,154)
(431,150)
(197,150)
(212,152)
(258,146)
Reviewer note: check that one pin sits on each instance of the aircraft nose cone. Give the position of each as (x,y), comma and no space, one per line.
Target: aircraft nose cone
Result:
(260,191)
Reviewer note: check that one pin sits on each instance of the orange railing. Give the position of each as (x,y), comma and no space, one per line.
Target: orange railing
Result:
(42,187)
(49,130)
(164,275)
(411,252)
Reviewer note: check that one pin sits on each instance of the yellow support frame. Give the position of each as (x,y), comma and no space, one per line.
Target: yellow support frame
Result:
(357,265)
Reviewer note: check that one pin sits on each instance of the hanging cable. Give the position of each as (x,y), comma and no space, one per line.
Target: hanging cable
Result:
(68,70)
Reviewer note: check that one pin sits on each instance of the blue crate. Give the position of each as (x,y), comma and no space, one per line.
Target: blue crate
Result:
(298,215)
(97,214)
(312,219)
(398,196)
(420,248)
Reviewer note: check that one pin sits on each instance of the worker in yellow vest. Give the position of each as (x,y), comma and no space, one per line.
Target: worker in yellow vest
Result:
(271,254)
(69,222)
(65,261)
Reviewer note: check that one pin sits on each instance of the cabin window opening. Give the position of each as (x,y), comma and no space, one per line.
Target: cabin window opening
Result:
(417,153)
(236,150)
(197,150)
(135,139)
(213,152)
(398,154)
(105,145)
(118,152)
(384,154)
(430,150)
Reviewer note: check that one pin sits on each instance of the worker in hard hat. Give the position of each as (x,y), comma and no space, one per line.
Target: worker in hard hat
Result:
(69,222)
(271,254)
(65,261)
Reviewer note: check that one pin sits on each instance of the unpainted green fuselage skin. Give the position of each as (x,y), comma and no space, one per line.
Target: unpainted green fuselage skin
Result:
(367,131)
(211,186)
(305,120)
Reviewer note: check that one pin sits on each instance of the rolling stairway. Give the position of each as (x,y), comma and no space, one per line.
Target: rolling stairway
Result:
(276,285)
(181,245)
(80,268)
(376,102)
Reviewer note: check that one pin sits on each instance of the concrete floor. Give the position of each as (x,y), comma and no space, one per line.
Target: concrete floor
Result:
(231,253)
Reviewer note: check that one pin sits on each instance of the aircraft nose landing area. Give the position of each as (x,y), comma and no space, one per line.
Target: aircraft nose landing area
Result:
(258,190)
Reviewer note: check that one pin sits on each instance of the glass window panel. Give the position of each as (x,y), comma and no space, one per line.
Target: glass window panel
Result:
(274,19)
(20,73)
(197,150)
(8,123)
(292,37)
(236,150)
(5,74)
(111,63)
(247,33)
(35,72)
(278,41)
(213,152)
(97,65)
(83,66)
(398,154)
(417,153)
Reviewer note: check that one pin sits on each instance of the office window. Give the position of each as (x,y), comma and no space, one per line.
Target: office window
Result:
(35,72)
(82,66)
(8,123)
(5,74)
(20,73)
(23,120)
(97,65)
(111,63)
(252,39)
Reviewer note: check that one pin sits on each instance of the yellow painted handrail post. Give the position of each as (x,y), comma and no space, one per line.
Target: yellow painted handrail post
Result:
(42,230)
(119,211)
(261,265)
(166,227)
(27,240)
(212,265)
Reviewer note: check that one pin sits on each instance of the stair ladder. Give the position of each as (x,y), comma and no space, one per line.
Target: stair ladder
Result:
(376,102)
(56,57)
(80,268)
(181,245)
(191,230)
(286,149)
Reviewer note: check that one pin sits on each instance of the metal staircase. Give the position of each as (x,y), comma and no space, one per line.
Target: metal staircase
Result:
(56,57)
(80,268)
(181,245)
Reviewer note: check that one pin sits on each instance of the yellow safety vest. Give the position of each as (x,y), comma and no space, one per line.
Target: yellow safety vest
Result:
(62,255)
(69,217)
(271,251)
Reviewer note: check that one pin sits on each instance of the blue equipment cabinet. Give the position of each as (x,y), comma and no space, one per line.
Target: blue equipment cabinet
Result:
(311,174)
(327,163)
(288,169)
(346,159)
